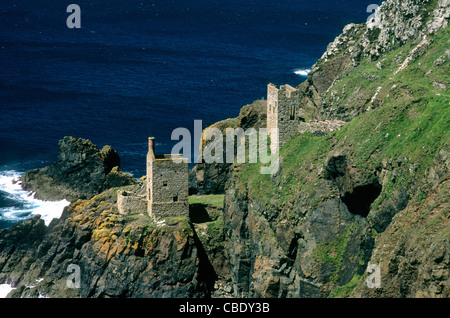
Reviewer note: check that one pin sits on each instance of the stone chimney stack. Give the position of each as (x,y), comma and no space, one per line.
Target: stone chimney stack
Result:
(151,145)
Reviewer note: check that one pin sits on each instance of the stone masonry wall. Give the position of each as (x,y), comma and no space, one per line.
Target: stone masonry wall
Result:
(320,128)
(161,210)
(288,109)
(128,203)
(170,188)
(291,112)
(272,106)
(284,111)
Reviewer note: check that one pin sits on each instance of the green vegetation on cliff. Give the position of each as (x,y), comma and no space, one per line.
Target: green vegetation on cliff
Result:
(410,121)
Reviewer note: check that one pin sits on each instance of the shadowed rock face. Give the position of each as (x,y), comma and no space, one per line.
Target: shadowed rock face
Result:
(80,172)
(359,200)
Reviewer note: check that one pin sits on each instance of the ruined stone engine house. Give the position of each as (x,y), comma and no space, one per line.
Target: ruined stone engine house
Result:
(166,186)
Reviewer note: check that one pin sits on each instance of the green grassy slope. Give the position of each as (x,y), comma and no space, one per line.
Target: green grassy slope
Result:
(408,120)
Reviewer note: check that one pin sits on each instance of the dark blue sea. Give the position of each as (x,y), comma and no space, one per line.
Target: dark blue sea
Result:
(142,68)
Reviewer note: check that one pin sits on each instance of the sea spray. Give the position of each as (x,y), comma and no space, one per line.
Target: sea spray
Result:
(18,205)
(302,72)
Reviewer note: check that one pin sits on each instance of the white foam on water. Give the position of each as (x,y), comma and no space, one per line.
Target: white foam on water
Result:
(29,205)
(302,72)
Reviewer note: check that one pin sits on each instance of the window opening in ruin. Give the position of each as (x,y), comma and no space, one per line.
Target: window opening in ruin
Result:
(291,112)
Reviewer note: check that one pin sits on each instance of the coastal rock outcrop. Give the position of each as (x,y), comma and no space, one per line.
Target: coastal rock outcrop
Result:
(80,172)
(413,253)
(394,24)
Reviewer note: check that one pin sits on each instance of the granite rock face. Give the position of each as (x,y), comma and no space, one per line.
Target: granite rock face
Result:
(394,24)
(412,253)
(298,249)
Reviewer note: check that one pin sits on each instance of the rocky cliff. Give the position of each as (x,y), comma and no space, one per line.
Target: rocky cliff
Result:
(116,256)
(374,193)
(371,193)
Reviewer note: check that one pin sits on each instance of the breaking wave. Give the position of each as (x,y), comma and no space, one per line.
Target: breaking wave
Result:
(18,205)
(302,72)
